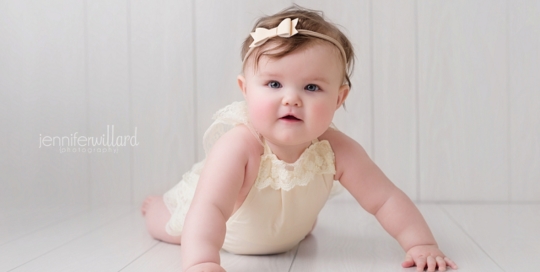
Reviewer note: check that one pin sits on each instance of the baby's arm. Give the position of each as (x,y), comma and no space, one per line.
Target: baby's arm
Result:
(217,191)
(380,197)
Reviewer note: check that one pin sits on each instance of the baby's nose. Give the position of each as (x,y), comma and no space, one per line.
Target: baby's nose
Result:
(291,98)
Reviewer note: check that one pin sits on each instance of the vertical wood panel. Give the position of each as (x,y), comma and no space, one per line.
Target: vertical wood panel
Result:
(353,19)
(524,62)
(162,89)
(394,92)
(141,73)
(42,91)
(109,98)
(463,107)
(221,27)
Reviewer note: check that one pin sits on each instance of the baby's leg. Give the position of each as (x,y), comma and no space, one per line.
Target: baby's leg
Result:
(156,216)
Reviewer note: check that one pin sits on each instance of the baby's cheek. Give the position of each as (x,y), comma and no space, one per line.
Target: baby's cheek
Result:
(259,114)
(324,112)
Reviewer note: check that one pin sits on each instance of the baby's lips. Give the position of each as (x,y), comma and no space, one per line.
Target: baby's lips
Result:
(290,117)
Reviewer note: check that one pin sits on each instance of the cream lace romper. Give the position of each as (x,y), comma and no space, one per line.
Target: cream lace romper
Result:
(283,203)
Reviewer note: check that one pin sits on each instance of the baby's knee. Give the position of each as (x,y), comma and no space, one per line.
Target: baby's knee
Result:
(156,217)
(158,232)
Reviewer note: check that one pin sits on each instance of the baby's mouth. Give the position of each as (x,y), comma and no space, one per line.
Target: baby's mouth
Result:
(290,118)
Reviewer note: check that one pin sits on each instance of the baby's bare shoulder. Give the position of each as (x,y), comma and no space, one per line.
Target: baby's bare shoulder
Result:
(349,154)
(340,142)
(238,140)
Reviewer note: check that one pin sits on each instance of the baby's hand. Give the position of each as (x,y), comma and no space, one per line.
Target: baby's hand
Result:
(427,256)
(206,267)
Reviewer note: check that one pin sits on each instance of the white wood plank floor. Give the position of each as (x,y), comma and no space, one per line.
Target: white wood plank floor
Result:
(479,237)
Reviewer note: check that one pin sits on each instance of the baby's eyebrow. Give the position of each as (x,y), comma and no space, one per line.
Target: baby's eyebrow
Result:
(270,74)
(321,79)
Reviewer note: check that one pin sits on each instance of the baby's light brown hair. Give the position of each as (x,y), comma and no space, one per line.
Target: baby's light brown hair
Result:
(309,20)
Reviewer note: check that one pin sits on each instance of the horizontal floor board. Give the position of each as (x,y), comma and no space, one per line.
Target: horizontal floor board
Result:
(108,248)
(490,237)
(38,243)
(162,257)
(509,233)
(18,222)
(166,257)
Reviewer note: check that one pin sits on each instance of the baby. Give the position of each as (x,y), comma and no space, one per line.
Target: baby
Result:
(272,159)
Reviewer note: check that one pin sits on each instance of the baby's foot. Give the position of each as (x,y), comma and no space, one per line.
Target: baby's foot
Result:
(148,202)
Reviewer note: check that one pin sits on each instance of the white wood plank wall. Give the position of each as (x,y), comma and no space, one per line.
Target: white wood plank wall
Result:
(446,94)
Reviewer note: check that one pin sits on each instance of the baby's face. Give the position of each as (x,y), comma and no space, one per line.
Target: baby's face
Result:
(292,100)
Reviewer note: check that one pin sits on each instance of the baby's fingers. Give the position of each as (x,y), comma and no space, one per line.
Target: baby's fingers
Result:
(450,263)
(431,264)
(420,263)
(409,261)
(441,263)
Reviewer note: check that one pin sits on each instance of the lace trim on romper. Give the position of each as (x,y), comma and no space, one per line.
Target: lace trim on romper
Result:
(317,159)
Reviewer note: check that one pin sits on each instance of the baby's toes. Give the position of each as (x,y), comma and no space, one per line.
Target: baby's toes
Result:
(148,203)
(144,207)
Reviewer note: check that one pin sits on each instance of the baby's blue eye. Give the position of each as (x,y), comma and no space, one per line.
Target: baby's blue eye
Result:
(312,87)
(274,84)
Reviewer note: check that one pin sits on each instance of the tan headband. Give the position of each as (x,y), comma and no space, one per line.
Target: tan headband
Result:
(286,29)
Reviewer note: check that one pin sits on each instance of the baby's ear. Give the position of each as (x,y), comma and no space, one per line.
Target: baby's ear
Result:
(342,94)
(242,83)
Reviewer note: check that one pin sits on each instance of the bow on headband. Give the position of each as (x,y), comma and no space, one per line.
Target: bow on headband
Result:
(285,29)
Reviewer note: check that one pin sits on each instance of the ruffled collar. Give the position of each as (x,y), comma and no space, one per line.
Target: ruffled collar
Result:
(317,159)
